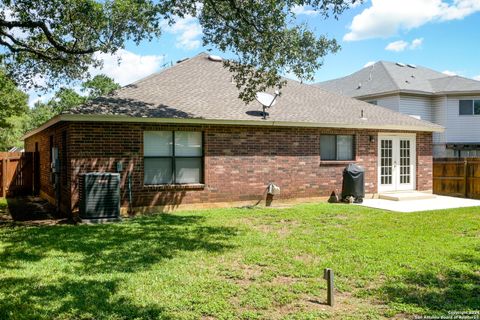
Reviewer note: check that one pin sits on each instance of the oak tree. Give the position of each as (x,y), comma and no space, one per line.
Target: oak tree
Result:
(52,41)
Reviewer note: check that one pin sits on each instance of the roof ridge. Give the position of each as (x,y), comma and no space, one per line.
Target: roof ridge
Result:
(390,76)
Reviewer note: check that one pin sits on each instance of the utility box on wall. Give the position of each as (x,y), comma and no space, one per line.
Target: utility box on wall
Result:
(99,195)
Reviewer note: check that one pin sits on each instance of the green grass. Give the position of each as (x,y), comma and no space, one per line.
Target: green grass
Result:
(245,264)
(3,209)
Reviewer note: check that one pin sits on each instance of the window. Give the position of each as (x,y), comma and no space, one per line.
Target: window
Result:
(172,157)
(469,107)
(476,107)
(336,147)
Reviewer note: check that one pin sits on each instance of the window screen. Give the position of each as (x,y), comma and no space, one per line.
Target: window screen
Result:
(336,147)
(327,147)
(476,107)
(166,162)
(465,107)
(344,147)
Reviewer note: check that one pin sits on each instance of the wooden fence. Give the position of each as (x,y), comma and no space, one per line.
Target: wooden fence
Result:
(16,173)
(458,177)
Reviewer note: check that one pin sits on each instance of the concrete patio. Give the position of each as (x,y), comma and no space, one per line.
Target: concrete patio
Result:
(434,203)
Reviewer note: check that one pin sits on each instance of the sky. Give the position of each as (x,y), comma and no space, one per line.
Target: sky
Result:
(443,35)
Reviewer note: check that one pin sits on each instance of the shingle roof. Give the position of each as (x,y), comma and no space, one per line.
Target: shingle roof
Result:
(384,77)
(199,88)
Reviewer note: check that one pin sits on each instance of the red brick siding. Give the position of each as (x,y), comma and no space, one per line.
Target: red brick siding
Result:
(239,161)
(46,184)
(424,161)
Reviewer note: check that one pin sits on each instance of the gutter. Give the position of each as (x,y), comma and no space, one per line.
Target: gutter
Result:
(418,93)
(119,118)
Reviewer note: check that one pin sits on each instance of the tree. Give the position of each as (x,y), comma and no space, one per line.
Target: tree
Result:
(13,102)
(100,85)
(13,106)
(18,119)
(59,39)
(65,99)
(10,136)
(38,115)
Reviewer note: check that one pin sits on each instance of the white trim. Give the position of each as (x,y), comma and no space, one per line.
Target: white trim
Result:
(417,93)
(396,186)
(119,118)
(396,134)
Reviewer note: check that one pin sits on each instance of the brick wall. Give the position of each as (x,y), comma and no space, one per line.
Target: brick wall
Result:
(424,161)
(239,161)
(56,133)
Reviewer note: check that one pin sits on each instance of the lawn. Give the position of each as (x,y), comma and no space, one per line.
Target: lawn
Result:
(245,264)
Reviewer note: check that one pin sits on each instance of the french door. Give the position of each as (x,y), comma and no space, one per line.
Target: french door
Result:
(396,162)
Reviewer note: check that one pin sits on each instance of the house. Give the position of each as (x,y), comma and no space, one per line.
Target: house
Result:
(186,138)
(450,101)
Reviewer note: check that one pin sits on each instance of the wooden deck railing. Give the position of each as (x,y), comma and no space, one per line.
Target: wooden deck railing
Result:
(458,177)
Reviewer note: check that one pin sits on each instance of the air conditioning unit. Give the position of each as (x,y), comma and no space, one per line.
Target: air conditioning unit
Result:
(99,195)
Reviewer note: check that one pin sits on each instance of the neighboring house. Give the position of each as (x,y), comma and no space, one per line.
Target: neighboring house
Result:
(450,101)
(186,138)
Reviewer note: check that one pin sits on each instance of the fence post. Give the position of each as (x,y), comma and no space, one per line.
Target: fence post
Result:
(328,275)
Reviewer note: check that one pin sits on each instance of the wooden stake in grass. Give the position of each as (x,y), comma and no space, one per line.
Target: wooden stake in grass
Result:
(328,275)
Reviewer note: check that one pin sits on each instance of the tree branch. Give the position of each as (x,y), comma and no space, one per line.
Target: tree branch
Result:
(48,34)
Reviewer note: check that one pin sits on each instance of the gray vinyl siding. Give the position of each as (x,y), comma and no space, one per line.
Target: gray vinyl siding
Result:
(390,102)
(440,117)
(461,128)
(439,114)
(418,106)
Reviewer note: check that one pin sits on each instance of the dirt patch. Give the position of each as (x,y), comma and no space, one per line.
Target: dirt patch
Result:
(29,211)
(243,274)
(307,258)
(283,280)
(250,274)
(282,227)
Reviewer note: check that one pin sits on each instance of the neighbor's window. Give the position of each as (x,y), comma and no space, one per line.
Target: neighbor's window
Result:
(172,157)
(469,107)
(336,147)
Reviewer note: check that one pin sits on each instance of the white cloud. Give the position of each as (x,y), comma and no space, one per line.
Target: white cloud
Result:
(126,67)
(299,10)
(397,46)
(188,32)
(369,63)
(449,73)
(416,43)
(401,45)
(477,78)
(385,18)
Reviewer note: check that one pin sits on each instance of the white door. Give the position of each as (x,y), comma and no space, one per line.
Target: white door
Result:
(396,163)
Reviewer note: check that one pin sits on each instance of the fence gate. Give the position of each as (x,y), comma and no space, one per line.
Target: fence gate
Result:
(458,177)
(16,173)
